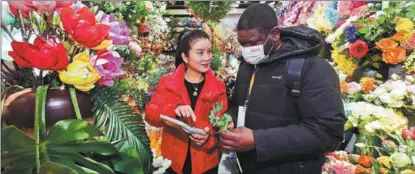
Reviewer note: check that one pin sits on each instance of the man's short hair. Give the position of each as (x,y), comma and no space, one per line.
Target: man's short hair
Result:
(258,16)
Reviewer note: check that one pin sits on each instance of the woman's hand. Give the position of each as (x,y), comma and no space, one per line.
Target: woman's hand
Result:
(185,111)
(200,139)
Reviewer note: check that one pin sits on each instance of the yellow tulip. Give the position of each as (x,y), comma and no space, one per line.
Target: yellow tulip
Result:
(404,25)
(80,73)
(104,44)
(385,161)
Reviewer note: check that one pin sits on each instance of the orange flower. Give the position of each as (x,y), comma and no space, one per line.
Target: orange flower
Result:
(394,56)
(386,44)
(366,161)
(362,170)
(367,84)
(343,86)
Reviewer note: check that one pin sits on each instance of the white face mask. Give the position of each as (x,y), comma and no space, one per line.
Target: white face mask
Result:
(255,54)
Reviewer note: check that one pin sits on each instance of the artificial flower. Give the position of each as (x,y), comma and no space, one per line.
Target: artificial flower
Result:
(353,88)
(351,34)
(135,47)
(108,64)
(344,61)
(119,32)
(402,36)
(394,56)
(409,44)
(386,44)
(362,170)
(343,86)
(81,26)
(6,15)
(385,161)
(80,73)
(367,84)
(404,25)
(366,161)
(358,49)
(389,144)
(400,159)
(39,6)
(43,54)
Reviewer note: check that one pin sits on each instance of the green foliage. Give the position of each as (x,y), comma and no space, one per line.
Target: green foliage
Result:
(129,11)
(60,151)
(210,10)
(118,122)
(216,60)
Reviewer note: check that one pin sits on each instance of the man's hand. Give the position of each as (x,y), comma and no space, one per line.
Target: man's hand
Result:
(230,125)
(185,111)
(240,139)
(200,139)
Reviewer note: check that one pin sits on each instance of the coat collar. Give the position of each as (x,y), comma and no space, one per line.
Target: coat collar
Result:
(177,84)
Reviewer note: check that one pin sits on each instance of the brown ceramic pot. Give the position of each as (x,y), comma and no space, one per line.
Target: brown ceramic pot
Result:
(20,112)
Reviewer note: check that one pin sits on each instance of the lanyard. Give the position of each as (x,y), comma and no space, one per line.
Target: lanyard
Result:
(251,84)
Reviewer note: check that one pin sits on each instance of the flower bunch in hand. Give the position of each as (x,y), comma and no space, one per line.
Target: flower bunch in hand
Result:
(219,120)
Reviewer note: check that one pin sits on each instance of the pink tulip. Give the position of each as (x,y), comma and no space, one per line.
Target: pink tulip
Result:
(39,6)
(25,6)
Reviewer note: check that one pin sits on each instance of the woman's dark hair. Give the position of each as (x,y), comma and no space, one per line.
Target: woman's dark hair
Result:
(184,42)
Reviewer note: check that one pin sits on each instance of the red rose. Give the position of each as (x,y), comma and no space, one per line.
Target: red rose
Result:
(356,4)
(358,49)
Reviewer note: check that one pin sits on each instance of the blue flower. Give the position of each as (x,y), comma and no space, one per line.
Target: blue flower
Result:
(351,34)
(332,16)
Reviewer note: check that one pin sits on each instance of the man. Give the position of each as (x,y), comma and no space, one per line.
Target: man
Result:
(285,131)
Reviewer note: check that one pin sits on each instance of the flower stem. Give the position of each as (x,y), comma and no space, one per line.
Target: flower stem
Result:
(22,27)
(41,77)
(3,26)
(40,123)
(75,103)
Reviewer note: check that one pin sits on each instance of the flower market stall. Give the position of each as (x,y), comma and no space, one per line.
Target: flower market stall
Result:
(76,76)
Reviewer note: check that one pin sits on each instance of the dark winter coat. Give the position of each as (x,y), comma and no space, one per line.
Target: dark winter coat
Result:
(291,134)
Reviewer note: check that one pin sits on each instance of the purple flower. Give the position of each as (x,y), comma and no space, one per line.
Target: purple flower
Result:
(108,64)
(119,32)
(351,34)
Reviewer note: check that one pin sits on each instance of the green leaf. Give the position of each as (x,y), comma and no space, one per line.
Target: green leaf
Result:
(99,147)
(128,165)
(376,65)
(53,168)
(363,31)
(69,130)
(87,162)
(14,139)
(118,122)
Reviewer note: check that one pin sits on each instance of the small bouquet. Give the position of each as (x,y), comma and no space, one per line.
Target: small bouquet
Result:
(219,122)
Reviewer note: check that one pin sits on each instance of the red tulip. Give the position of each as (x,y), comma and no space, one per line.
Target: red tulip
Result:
(43,54)
(408,134)
(81,26)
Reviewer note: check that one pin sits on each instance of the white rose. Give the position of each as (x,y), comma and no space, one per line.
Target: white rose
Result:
(353,88)
(395,77)
(386,98)
(373,126)
(369,97)
(380,90)
(398,93)
(396,104)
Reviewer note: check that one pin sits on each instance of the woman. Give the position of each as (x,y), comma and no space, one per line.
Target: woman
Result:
(189,94)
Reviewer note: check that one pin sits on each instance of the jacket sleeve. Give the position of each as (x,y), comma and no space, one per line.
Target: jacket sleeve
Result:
(160,105)
(322,119)
(212,141)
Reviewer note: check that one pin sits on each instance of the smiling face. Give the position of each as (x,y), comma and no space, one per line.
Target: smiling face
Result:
(199,56)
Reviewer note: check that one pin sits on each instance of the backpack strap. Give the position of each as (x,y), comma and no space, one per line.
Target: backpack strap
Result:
(295,73)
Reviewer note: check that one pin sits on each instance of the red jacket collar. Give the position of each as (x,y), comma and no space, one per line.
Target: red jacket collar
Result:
(177,84)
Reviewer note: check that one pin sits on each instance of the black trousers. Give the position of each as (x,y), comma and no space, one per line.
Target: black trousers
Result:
(187,168)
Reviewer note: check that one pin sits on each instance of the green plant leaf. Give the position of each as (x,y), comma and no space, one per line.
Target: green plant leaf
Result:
(364,30)
(69,130)
(23,158)
(14,139)
(118,122)
(53,168)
